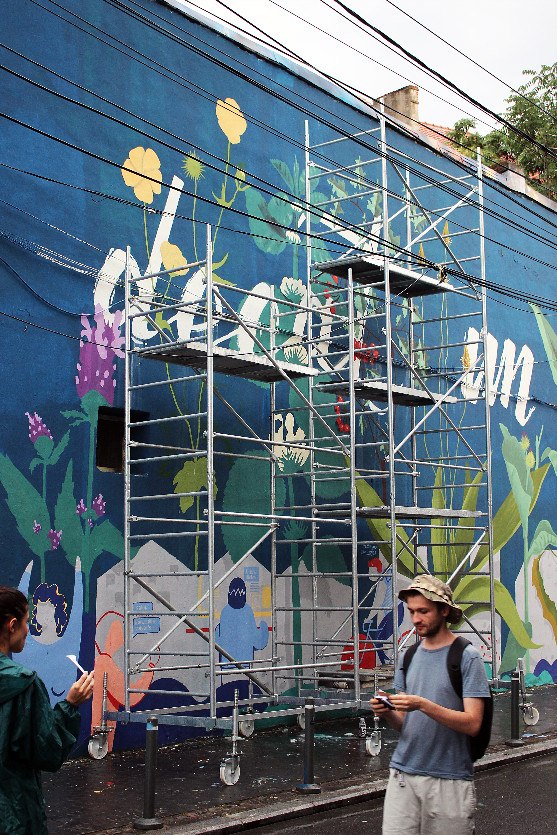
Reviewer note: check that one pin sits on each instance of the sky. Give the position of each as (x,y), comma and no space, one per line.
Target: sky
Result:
(501,36)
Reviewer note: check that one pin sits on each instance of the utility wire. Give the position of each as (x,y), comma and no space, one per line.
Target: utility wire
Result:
(469,58)
(532,140)
(226,65)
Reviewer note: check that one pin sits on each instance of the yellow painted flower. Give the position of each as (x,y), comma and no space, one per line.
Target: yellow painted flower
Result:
(466,359)
(142,164)
(530,459)
(230,119)
(172,257)
(193,166)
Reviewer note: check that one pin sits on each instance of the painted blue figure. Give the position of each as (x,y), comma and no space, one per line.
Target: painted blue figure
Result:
(49,642)
(237,631)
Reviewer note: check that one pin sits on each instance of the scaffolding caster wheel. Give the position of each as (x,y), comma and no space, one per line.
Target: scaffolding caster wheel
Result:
(530,715)
(230,771)
(301,720)
(246,726)
(98,746)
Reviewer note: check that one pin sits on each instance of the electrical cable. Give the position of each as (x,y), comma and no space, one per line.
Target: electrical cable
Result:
(209,201)
(488,284)
(445,80)
(424,262)
(226,66)
(469,58)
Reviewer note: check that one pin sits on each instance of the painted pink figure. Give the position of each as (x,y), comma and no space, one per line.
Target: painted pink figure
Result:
(104,663)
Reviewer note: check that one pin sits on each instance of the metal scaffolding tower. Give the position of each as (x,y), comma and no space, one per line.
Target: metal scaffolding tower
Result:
(378,463)
(397,336)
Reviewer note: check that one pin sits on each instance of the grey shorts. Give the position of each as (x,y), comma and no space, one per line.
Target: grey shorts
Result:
(419,805)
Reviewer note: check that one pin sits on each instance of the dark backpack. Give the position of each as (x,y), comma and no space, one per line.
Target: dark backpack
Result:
(479,743)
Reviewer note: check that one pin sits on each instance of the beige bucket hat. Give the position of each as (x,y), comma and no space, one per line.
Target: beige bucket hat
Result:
(434,589)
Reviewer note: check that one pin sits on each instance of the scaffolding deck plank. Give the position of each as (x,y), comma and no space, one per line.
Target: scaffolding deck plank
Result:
(376,390)
(226,361)
(384,512)
(369,270)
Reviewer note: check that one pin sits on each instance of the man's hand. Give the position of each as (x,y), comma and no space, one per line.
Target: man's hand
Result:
(406,703)
(392,717)
(81,690)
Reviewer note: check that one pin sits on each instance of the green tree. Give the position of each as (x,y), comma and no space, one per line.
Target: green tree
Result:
(532,110)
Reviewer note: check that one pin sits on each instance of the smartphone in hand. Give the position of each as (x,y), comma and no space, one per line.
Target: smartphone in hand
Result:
(386,701)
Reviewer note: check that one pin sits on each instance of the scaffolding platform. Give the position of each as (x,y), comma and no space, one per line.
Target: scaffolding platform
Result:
(369,270)
(384,512)
(377,391)
(226,361)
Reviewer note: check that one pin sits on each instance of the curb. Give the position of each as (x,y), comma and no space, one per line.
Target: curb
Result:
(281,811)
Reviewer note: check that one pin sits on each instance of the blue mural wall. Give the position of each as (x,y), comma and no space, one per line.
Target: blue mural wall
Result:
(91,95)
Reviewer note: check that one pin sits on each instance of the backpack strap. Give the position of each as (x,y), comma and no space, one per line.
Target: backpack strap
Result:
(407,658)
(454,658)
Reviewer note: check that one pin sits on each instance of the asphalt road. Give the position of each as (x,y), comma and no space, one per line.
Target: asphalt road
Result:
(515,799)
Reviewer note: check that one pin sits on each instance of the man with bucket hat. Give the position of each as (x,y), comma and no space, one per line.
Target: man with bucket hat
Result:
(431,789)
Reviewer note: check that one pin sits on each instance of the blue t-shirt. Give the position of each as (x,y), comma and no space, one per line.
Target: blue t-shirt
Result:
(425,746)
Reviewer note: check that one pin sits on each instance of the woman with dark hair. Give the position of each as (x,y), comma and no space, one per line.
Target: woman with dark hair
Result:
(34,737)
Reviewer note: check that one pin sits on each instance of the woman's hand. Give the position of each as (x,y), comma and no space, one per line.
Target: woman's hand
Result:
(81,690)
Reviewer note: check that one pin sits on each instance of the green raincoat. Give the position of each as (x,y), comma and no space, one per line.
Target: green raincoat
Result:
(34,737)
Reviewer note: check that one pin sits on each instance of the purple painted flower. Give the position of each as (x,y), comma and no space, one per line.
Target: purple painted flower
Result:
(80,509)
(99,505)
(36,526)
(55,537)
(96,355)
(37,427)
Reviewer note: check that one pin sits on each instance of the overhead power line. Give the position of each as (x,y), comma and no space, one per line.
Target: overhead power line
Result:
(450,84)
(202,52)
(472,61)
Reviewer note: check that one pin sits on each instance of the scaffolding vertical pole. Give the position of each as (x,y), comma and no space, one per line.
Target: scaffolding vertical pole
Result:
(127,486)
(309,332)
(389,362)
(487,387)
(353,497)
(210,475)
(273,497)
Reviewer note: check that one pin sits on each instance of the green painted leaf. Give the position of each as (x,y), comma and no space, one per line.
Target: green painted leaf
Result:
(380,529)
(506,521)
(284,172)
(67,520)
(105,537)
(477,590)
(248,491)
(26,506)
(44,446)
(438,534)
(58,450)
(74,417)
(329,559)
(191,478)
(548,605)
(549,338)
(35,463)
(543,538)
(552,455)
(518,472)
(267,221)
(464,535)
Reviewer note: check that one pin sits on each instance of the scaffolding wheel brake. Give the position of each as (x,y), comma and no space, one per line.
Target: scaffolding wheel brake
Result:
(530,715)
(373,744)
(246,726)
(230,771)
(98,746)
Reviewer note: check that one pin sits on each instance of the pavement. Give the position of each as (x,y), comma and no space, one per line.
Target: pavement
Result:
(106,796)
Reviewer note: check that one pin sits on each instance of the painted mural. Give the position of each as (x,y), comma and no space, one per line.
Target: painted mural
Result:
(62,518)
